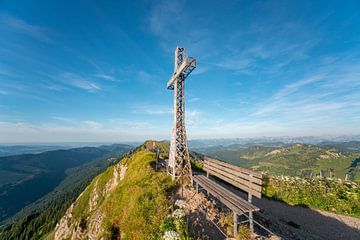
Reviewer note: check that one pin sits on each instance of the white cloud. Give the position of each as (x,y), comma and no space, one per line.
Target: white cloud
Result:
(295,86)
(194,99)
(84,131)
(21,26)
(107,77)
(132,124)
(152,109)
(93,124)
(193,117)
(87,85)
(79,82)
(3,92)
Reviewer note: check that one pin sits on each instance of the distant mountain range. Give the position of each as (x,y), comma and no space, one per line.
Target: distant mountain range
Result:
(25,148)
(197,143)
(302,160)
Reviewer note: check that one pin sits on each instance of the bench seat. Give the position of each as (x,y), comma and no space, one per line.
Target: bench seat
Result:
(230,199)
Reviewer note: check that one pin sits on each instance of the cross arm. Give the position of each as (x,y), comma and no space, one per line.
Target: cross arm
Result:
(184,70)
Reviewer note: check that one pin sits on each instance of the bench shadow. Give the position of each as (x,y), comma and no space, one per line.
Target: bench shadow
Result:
(202,228)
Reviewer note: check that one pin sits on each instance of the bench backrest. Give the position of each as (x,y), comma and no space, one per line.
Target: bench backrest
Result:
(245,179)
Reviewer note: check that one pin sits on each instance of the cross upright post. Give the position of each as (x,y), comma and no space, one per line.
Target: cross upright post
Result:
(179,160)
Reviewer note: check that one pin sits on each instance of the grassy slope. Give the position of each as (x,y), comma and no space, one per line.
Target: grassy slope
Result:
(138,205)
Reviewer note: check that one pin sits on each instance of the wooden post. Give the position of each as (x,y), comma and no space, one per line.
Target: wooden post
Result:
(207,174)
(249,198)
(235,224)
(249,194)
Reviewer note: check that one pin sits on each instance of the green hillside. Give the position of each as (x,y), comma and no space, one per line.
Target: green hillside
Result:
(302,160)
(130,200)
(352,146)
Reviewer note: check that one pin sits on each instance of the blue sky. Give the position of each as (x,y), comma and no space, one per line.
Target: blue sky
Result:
(97,70)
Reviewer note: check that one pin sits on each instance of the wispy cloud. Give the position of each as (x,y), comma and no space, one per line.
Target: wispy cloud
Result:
(132,124)
(107,77)
(172,23)
(295,86)
(326,95)
(93,124)
(193,117)
(73,130)
(55,87)
(3,92)
(152,109)
(194,99)
(21,26)
(79,82)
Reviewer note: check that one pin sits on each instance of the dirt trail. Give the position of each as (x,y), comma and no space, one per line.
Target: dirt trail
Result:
(286,221)
(294,222)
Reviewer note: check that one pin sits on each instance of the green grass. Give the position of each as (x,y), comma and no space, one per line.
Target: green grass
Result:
(81,207)
(102,180)
(320,193)
(339,166)
(50,236)
(140,203)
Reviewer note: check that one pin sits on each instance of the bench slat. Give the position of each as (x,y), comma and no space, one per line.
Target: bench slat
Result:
(237,200)
(235,172)
(245,183)
(237,168)
(229,180)
(234,202)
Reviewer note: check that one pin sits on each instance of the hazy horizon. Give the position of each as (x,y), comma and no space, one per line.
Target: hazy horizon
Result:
(340,138)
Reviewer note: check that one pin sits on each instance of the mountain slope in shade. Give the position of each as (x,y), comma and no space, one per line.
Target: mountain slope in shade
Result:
(26,178)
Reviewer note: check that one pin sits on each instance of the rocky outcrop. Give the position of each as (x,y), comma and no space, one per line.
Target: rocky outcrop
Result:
(88,226)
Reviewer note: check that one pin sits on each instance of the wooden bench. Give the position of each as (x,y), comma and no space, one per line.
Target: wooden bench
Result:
(245,179)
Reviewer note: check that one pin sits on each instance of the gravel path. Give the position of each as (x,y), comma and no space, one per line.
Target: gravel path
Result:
(294,222)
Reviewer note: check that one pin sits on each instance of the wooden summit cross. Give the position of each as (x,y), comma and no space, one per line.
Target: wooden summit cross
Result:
(179,162)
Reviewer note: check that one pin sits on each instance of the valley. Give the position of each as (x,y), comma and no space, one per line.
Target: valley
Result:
(41,186)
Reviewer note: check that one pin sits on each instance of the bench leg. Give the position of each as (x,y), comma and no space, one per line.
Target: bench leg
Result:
(235,225)
(251,222)
(197,187)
